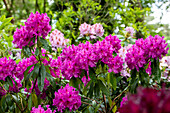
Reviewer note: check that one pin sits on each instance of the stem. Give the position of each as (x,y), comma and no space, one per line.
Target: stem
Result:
(116,98)
(16,104)
(104,99)
(91,105)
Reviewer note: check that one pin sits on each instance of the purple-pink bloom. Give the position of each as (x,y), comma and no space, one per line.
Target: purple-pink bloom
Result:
(7,68)
(115,64)
(22,37)
(67,97)
(38,24)
(156,47)
(41,110)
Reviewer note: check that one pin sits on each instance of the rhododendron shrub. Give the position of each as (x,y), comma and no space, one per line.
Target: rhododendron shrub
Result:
(91,75)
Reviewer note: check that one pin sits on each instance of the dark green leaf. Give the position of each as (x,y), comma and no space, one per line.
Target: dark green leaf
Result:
(103,88)
(9,80)
(42,74)
(26,72)
(113,81)
(75,82)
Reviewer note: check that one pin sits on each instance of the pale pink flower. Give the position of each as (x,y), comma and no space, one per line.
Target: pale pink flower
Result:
(85,29)
(57,39)
(98,29)
(130,30)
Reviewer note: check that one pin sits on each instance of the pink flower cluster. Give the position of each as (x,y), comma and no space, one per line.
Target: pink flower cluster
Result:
(67,97)
(41,110)
(148,100)
(36,25)
(22,37)
(57,39)
(140,53)
(115,64)
(130,30)
(76,58)
(88,30)
(7,68)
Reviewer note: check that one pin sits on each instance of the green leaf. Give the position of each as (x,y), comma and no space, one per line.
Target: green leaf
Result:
(34,99)
(3,103)
(9,80)
(30,102)
(42,74)
(103,88)
(36,70)
(37,51)
(90,93)
(26,72)
(113,80)
(28,77)
(45,45)
(96,89)
(92,75)
(75,82)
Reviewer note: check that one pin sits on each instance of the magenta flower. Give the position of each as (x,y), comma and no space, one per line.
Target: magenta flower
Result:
(115,64)
(7,68)
(67,97)
(85,80)
(124,101)
(22,37)
(38,24)
(41,110)
(148,100)
(135,57)
(156,47)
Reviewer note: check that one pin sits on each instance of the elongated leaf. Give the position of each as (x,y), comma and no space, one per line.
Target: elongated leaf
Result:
(34,99)
(28,77)
(30,102)
(3,103)
(103,88)
(37,51)
(9,80)
(42,74)
(26,72)
(75,82)
(113,81)
(45,45)
(36,71)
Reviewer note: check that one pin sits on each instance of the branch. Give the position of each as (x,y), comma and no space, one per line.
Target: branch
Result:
(6,5)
